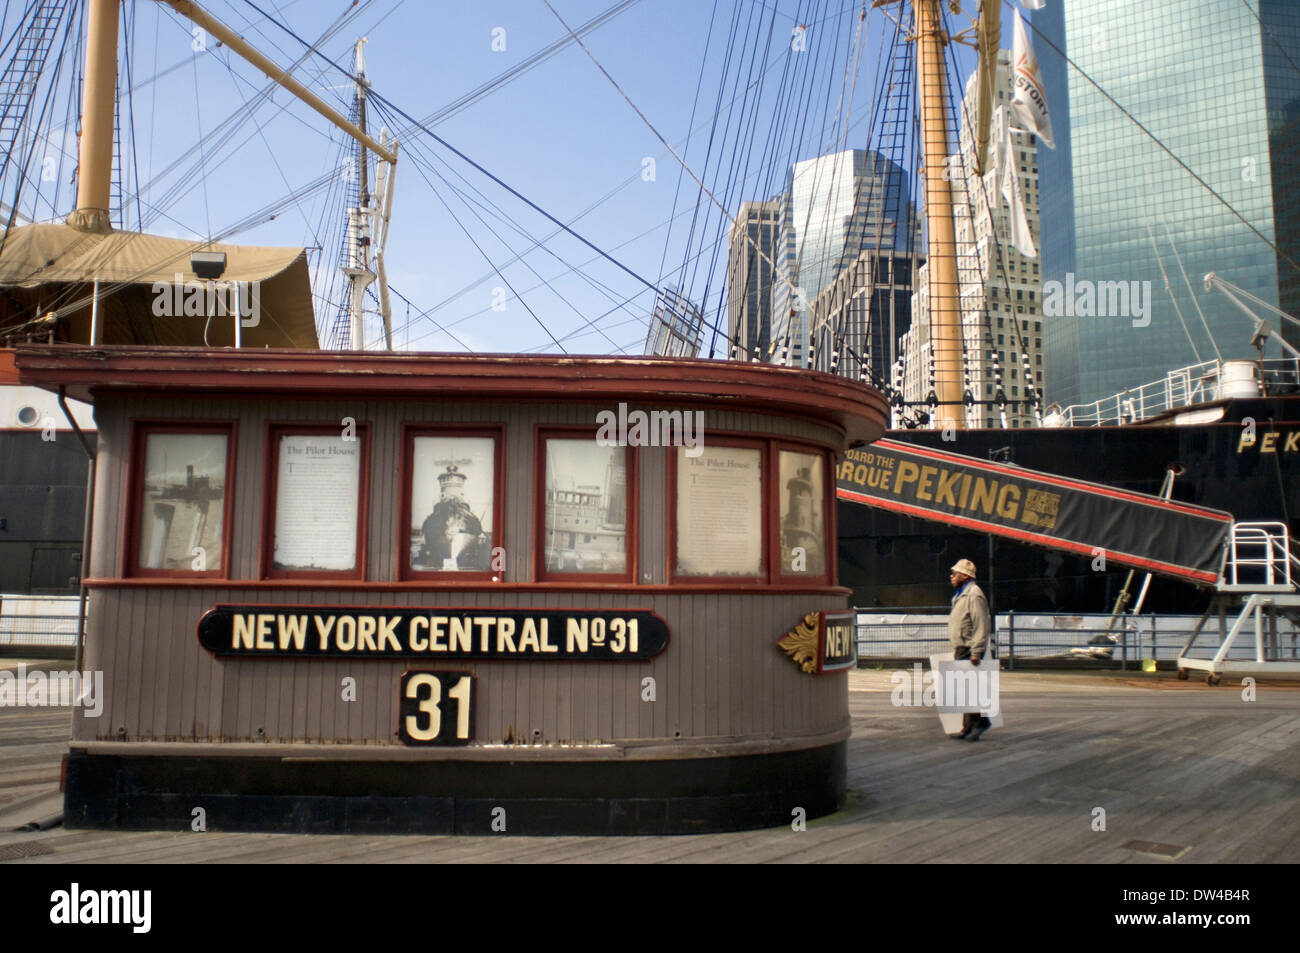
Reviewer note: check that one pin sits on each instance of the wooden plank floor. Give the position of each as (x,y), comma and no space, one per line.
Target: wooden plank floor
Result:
(1200,769)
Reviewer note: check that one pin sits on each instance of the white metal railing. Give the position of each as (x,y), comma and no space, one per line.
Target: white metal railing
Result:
(1183,387)
(1263,550)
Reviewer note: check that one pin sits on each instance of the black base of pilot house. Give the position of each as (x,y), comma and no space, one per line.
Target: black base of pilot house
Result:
(273,795)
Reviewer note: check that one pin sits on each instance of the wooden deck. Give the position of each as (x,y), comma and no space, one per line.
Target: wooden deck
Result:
(1190,773)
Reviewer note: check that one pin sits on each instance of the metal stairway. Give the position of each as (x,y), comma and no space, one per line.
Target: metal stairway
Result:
(1256,583)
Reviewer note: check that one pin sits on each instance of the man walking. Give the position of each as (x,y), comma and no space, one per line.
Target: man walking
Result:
(969,628)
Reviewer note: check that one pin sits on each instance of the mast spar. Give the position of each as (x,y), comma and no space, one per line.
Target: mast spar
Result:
(95,151)
(945,314)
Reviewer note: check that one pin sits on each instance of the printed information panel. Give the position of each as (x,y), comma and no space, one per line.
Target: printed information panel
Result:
(443,633)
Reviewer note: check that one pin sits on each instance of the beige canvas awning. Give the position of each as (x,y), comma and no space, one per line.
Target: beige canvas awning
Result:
(51,268)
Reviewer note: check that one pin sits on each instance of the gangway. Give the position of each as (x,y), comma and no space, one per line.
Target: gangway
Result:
(1249,566)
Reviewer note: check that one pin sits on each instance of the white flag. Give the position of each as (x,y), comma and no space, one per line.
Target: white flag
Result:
(1033,4)
(1018,220)
(1029,101)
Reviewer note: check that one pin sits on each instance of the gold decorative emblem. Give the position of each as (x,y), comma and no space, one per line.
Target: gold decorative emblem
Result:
(802,643)
(1041,508)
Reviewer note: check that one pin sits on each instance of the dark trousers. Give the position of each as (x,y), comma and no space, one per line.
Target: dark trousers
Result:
(969,718)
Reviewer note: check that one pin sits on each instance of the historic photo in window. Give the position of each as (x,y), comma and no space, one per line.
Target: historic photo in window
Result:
(720,512)
(317,497)
(586,507)
(183,502)
(452,501)
(803,509)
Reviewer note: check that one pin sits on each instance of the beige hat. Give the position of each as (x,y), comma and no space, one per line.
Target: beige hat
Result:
(965,567)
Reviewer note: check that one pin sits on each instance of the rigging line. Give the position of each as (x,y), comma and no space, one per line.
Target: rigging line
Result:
(998,383)
(690,124)
(534,271)
(259,128)
(203,175)
(804,111)
(636,317)
(740,175)
(1264,29)
(802,237)
(491,208)
(22,171)
(702,228)
(626,182)
(376,96)
(713,131)
(130,110)
(742,150)
(592,282)
(1179,258)
(1169,288)
(793,122)
(1164,148)
(497,82)
(486,258)
(444,330)
(657,135)
(236,119)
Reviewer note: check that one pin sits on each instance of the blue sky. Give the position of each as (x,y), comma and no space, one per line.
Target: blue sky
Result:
(561,134)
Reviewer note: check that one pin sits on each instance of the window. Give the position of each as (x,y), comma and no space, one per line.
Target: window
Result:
(720,524)
(317,486)
(587,490)
(179,524)
(452,502)
(801,488)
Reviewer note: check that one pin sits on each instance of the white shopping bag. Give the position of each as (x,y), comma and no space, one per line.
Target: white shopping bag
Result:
(960,687)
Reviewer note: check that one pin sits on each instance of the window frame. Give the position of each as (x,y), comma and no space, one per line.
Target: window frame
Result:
(134,510)
(270,500)
(830,556)
(406,473)
(767,515)
(632,535)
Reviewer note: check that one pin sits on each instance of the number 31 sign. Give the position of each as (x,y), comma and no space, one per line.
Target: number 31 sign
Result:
(436,708)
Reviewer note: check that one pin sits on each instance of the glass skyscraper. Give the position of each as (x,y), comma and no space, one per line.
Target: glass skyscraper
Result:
(1128,232)
(834,207)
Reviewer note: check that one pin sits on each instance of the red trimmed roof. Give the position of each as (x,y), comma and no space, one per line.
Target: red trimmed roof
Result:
(88,372)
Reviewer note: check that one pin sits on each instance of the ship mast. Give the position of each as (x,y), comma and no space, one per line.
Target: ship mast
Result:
(95,151)
(357,269)
(945,314)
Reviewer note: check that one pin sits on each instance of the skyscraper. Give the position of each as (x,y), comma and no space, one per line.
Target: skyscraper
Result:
(833,208)
(751,250)
(1000,288)
(1128,231)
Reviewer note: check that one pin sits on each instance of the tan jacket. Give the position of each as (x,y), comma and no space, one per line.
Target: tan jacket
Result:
(969,622)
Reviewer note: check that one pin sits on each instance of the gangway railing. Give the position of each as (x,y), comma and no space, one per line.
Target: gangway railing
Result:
(1257,571)
(1258,558)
